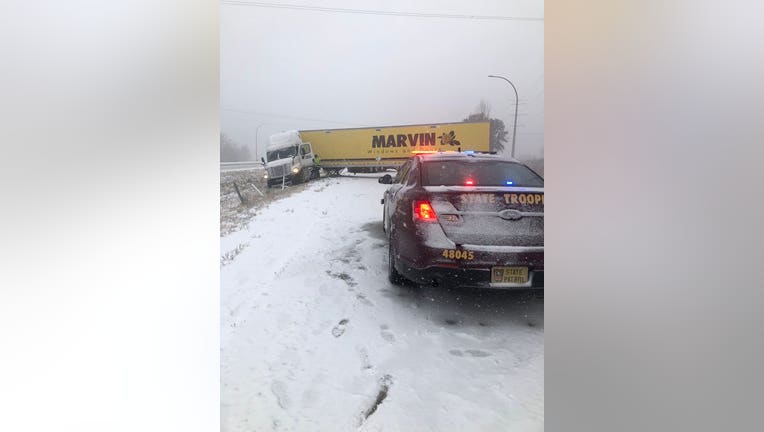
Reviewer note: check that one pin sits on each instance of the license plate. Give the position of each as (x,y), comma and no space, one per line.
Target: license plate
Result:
(518,275)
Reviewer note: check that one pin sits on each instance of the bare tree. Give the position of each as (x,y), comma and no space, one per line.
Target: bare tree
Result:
(498,132)
(232,152)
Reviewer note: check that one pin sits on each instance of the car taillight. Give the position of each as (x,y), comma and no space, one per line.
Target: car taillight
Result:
(423,212)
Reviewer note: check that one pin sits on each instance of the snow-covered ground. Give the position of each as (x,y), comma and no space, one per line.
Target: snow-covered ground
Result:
(314,337)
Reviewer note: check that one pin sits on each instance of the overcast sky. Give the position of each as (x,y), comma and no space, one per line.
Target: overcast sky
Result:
(306,69)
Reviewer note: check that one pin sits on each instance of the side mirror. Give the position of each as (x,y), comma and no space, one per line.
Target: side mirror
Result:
(386,179)
(263,159)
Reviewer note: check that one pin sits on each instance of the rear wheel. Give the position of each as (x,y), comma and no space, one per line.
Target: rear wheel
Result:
(384,224)
(392,274)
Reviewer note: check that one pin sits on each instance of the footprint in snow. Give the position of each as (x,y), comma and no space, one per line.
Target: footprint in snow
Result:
(386,333)
(365,362)
(279,389)
(470,352)
(362,298)
(339,329)
(384,388)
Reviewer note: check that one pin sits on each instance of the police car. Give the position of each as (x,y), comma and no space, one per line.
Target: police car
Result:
(465,219)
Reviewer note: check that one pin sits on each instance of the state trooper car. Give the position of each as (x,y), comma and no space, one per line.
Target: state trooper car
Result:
(465,219)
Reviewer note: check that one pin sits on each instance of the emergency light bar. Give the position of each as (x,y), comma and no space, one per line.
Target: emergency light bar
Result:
(418,152)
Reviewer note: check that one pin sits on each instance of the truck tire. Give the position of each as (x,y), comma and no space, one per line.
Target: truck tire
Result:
(297,178)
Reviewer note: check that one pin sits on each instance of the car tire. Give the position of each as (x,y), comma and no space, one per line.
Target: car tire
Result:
(384,223)
(392,274)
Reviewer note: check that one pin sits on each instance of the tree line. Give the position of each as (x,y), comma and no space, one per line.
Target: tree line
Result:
(232,152)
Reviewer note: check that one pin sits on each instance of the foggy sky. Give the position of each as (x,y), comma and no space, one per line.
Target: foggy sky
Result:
(297,69)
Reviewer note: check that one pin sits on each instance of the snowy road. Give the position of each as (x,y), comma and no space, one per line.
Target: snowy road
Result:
(314,337)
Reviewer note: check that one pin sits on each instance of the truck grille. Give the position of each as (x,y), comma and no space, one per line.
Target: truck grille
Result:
(278,171)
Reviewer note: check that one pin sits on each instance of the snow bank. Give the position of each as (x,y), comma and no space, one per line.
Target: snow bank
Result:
(314,337)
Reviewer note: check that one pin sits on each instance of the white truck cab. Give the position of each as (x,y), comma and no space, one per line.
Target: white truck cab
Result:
(289,159)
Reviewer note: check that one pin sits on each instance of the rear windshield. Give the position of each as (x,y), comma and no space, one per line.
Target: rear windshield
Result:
(478,173)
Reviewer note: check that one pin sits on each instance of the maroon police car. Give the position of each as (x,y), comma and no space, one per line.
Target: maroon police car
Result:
(465,219)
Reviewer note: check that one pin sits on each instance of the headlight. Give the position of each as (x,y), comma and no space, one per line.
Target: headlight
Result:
(295,169)
(265,176)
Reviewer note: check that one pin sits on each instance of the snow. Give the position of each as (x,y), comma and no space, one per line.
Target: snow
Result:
(314,337)
(284,139)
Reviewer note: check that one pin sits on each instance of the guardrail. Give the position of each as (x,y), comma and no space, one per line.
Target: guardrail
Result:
(239,166)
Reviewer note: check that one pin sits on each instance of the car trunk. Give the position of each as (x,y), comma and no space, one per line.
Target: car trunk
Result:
(502,216)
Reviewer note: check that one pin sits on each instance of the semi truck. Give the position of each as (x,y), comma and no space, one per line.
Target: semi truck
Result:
(289,159)
(297,155)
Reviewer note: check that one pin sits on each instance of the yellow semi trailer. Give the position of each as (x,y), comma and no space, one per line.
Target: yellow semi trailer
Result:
(378,148)
(292,156)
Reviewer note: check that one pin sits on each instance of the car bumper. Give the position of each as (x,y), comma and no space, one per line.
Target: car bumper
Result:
(422,255)
(466,277)
(430,268)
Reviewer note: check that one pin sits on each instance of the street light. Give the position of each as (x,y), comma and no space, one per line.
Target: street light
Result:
(257,130)
(514,128)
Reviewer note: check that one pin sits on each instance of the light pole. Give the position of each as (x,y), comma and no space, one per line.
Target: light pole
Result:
(514,128)
(257,130)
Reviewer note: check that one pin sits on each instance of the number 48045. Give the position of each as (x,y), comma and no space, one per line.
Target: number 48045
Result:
(458,254)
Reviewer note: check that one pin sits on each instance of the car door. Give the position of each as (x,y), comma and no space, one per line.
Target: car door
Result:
(392,193)
(306,153)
